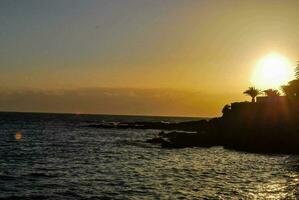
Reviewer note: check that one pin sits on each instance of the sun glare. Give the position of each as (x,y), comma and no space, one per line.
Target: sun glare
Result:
(272,71)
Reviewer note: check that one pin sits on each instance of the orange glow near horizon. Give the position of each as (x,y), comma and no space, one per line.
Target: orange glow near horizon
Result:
(272,71)
(142,57)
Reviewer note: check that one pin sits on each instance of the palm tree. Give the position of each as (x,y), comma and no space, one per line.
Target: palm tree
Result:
(252,92)
(272,92)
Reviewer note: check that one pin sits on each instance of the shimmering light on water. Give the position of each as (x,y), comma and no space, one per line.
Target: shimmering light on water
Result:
(61,158)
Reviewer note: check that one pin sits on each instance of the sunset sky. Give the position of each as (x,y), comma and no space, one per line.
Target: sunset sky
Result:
(162,57)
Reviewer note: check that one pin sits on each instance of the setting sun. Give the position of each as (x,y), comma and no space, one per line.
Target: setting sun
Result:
(272,71)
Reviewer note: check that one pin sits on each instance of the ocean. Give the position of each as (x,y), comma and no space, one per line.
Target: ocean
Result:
(58,156)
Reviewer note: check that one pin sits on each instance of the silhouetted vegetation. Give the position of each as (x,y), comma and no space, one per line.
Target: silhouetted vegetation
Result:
(291,89)
(252,92)
(297,71)
(272,92)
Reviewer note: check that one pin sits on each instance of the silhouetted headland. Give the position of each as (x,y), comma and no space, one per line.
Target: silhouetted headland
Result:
(268,124)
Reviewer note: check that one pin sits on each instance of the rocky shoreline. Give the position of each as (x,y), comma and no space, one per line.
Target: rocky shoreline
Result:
(244,126)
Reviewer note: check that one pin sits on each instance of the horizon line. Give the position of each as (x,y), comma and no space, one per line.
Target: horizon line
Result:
(107,114)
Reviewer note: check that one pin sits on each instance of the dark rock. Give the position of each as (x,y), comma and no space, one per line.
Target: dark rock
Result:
(156,140)
(267,127)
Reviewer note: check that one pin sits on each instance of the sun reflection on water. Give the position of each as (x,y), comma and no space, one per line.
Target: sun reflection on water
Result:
(278,189)
(118,163)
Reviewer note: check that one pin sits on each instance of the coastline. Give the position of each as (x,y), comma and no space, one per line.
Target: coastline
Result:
(252,127)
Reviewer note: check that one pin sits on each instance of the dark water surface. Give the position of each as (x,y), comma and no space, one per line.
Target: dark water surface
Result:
(59,157)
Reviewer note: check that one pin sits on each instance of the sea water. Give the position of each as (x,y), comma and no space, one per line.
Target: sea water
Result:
(57,156)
